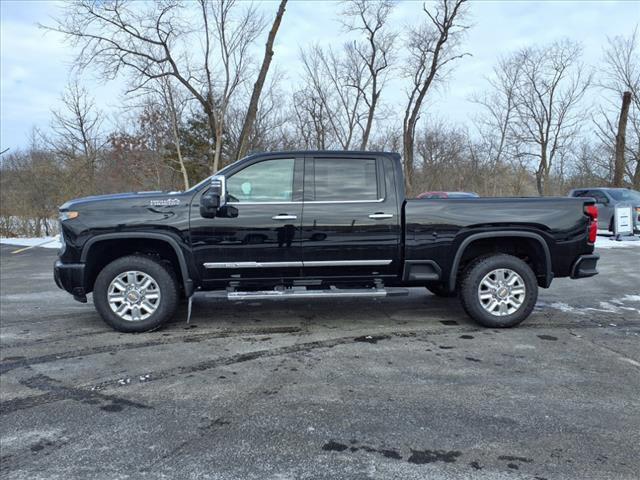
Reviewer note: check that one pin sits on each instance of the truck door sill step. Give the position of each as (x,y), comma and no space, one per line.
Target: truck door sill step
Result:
(304,293)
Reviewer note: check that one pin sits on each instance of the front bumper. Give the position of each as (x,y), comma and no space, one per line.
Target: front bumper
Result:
(70,277)
(585,266)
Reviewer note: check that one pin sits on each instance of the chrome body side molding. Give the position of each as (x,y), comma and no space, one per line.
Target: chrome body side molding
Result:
(323,263)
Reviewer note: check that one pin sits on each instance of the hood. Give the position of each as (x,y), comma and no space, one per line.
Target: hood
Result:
(133,196)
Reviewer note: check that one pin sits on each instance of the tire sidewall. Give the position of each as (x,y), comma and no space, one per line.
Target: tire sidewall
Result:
(471,283)
(162,276)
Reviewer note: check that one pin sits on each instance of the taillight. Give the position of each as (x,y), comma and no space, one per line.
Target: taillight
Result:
(592,213)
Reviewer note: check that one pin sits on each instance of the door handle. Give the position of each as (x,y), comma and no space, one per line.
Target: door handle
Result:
(380,216)
(284,216)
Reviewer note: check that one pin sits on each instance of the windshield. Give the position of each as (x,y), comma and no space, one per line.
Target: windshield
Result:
(625,195)
(208,179)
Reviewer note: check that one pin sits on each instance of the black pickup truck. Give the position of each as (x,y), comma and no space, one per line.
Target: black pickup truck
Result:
(317,224)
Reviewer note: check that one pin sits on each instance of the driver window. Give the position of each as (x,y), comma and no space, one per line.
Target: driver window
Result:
(599,196)
(268,181)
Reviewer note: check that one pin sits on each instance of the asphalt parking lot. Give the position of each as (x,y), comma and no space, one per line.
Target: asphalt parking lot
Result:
(402,387)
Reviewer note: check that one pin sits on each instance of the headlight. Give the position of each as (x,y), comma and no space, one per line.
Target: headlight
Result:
(68,215)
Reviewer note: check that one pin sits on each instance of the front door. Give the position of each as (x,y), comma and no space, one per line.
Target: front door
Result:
(351,222)
(259,237)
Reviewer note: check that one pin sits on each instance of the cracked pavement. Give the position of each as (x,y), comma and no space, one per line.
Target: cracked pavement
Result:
(401,387)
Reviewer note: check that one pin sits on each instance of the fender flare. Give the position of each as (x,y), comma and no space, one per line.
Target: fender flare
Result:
(496,234)
(184,269)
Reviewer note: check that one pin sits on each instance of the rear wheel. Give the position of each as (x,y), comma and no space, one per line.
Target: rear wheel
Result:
(499,291)
(135,294)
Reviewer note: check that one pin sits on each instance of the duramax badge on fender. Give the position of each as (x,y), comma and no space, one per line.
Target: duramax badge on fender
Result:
(317,224)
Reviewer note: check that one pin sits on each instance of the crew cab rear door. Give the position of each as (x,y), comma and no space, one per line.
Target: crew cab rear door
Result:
(260,236)
(351,219)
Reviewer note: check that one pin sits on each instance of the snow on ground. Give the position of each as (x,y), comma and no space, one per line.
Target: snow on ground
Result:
(609,242)
(44,242)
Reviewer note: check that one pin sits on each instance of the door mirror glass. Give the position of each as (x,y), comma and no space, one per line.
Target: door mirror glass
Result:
(214,198)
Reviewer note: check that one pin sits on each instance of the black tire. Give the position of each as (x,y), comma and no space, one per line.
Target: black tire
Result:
(441,290)
(470,285)
(161,274)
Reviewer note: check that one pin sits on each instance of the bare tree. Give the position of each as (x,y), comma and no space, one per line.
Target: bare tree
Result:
(310,119)
(335,84)
(621,135)
(153,40)
(432,46)
(252,110)
(620,75)
(495,122)
(77,132)
(175,103)
(371,19)
(548,94)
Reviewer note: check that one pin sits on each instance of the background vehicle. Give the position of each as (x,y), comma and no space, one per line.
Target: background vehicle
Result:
(448,195)
(607,199)
(317,224)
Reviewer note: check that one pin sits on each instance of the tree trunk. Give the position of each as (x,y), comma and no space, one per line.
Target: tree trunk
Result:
(408,160)
(218,149)
(176,137)
(542,174)
(213,141)
(250,118)
(619,166)
(370,116)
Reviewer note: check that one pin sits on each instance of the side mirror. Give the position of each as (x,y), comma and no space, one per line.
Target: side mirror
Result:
(214,198)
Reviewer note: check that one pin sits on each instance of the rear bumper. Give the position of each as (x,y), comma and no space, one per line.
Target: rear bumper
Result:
(585,266)
(70,277)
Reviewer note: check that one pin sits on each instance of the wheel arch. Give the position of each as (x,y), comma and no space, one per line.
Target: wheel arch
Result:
(150,239)
(544,269)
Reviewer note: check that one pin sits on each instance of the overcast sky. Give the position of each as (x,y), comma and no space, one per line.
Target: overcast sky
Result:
(35,64)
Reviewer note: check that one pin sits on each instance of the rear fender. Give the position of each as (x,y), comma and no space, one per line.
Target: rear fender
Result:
(548,274)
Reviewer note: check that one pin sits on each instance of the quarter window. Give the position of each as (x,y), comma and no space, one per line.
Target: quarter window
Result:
(268,181)
(345,179)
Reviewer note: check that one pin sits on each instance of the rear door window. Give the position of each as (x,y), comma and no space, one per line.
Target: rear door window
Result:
(339,179)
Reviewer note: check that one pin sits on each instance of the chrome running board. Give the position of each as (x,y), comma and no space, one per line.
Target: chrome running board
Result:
(302,292)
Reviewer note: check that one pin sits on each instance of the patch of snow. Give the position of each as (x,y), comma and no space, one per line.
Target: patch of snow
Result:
(631,298)
(609,307)
(605,307)
(44,242)
(608,242)
(563,307)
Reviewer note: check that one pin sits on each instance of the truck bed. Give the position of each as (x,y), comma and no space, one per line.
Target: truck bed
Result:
(436,228)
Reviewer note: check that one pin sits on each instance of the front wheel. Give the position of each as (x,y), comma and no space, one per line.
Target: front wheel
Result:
(499,291)
(135,294)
